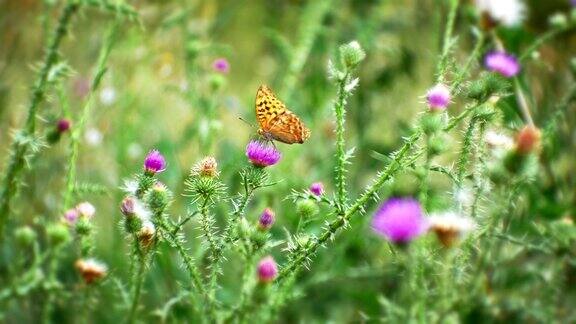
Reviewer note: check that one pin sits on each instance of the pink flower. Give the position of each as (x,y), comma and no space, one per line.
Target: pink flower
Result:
(399,220)
(266,219)
(221,65)
(503,63)
(154,162)
(262,154)
(317,188)
(438,97)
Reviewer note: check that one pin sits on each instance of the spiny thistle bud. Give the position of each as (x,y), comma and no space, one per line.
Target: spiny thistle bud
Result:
(91,270)
(351,54)
(267,270)
(307,208)
(432,123)
(221,65)
(266,220)
(57,233)
(25,235)
(528,140)
(127,206)
(146,233)
(207,167)
(317,188)
(154,162)
(158,197)
(450,228)
(83,227)
(63,125)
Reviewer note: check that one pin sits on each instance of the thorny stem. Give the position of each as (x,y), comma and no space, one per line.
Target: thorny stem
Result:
(447,41)
(75,138)
(139,281)
(22,144)
(341,221)
(310,27)
(340,111)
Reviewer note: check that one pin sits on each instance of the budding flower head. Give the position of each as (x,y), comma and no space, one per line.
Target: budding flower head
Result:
(63,125)
(207,167)
(317,188)
(267,219)
(528,140)
(127,206)
(267,270)
(86,209)
(25,235)
(438,97)
(351,54)
(262,154)
(221,65)
(71,216)
(450,227)
(399,220)
(91,270)
(503,63)
(154,162)
(307,208)
(57,233)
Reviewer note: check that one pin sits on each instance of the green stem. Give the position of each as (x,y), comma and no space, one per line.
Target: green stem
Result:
(340,111)
(447,40)
(310,27)
(77,131)
(138,283)
(23,144)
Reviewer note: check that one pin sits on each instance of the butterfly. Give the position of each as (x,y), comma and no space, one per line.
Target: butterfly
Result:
(276,121)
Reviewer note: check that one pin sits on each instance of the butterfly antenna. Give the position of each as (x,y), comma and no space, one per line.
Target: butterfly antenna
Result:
(244,120)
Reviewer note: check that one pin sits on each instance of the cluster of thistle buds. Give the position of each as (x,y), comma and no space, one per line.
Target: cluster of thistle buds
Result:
(146,201)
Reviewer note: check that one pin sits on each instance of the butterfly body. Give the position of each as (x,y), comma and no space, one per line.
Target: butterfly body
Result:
(276,121)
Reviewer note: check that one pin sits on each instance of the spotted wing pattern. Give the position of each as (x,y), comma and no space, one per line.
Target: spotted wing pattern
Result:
(276,121)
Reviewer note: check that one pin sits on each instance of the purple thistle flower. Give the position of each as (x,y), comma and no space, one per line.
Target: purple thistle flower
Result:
(503,63)
(438,97)
(221,65)
(317,188)
(63,125)
(71,216)
(399,220)
(267,270)
(154,162)
(262,154)
(266,219)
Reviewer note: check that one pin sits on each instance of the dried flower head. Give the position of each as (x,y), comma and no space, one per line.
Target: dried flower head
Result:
(503,63)
(262,154)
(146,233)
(86,209)
(221,65)
(266,219)
(506,12)
(267,270)
(528,140)
(154,162)
(91,269)
(207,167)
(450,227)
(317,188)
(399,220)
(438,97)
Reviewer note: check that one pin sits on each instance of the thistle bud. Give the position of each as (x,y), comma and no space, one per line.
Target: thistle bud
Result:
(351,54)
(146,233)
(25,235)
(266,219)
(57,233)
(127,207)
(307,208)
(158,197)
(154,163)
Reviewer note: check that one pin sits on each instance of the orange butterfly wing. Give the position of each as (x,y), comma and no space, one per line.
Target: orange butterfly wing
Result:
(276,121)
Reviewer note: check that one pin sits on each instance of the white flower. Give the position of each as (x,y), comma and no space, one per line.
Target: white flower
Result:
(93,137)
(86,209)
(450,227)
(507,12)
(107,96)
